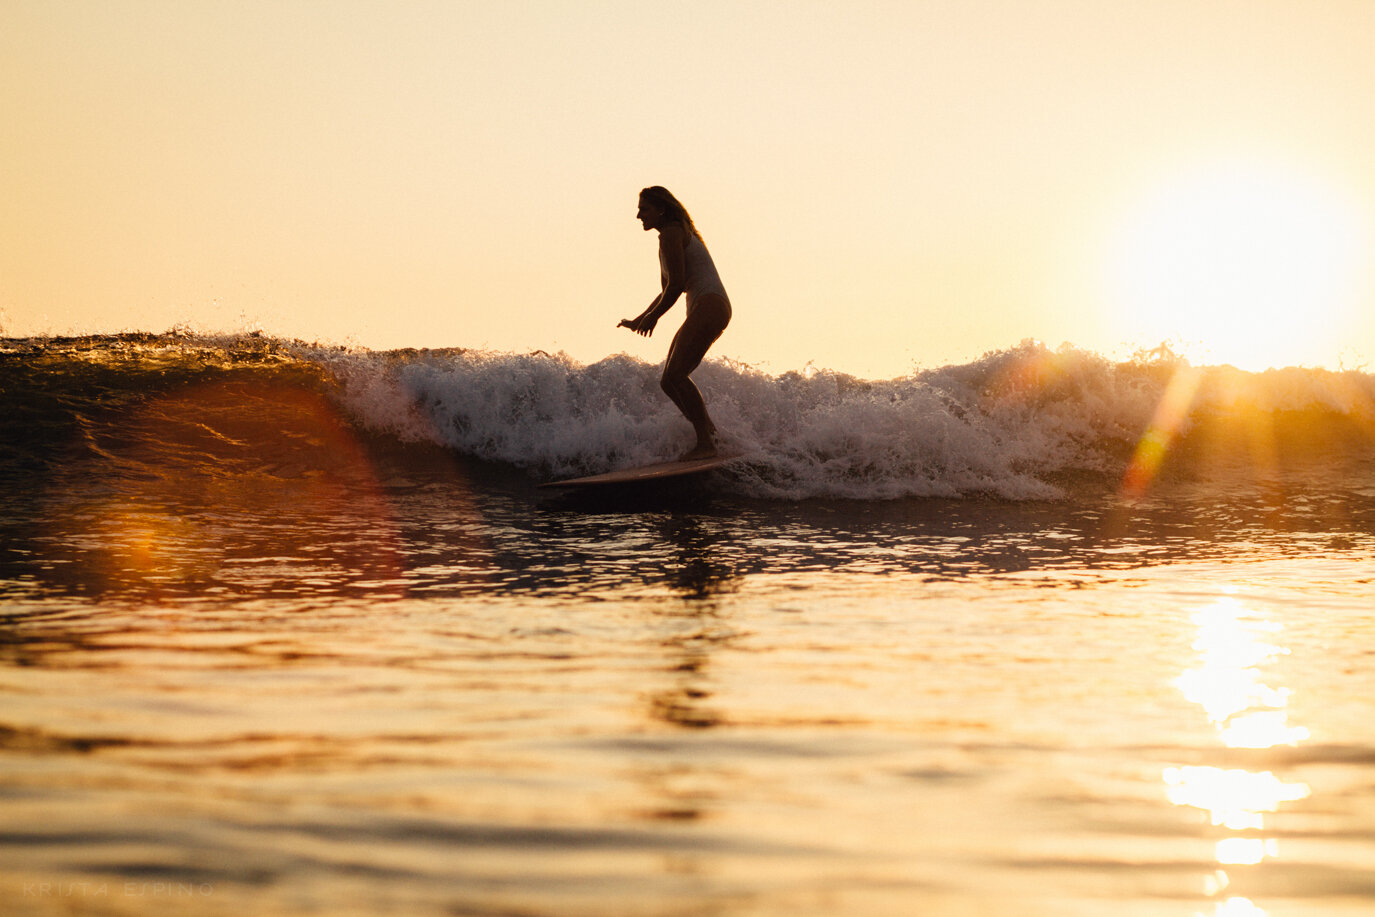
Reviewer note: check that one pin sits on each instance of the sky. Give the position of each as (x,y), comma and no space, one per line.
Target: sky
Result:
(885,186)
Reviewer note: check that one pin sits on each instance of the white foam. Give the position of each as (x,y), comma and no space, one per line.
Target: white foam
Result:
(1004,425)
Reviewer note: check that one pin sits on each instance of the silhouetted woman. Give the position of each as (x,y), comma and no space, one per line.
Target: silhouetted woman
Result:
(685,266)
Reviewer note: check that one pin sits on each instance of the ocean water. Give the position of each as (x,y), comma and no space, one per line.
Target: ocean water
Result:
(288,629)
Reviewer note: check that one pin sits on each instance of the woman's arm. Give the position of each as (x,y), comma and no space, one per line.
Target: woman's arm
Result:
(671,244)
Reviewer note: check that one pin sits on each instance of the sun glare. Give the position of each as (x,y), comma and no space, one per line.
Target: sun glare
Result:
(1242,263)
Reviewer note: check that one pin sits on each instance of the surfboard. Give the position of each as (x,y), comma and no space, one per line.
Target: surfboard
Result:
(646,473)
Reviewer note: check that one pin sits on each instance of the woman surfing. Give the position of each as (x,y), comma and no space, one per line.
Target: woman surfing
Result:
(685,267)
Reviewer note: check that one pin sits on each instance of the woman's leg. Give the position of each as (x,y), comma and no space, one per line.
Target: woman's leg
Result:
(700,330)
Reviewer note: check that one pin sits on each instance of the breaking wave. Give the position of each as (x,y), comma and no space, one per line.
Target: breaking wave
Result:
(1023,423)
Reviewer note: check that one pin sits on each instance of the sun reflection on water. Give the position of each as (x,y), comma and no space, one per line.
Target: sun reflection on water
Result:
(1234,643)
(1234,799)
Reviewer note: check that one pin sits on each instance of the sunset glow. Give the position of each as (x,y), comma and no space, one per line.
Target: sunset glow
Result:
(1242,263)
(952,177)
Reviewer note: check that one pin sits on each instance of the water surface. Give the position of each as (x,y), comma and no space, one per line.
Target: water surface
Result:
(258,658)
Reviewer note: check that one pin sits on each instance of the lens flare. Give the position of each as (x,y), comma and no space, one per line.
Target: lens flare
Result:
(169,496)
(1166,424)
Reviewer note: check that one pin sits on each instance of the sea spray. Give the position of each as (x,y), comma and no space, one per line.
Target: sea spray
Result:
(1001,426)
(538,412)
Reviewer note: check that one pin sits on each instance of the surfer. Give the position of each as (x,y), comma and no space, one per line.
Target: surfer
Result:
(685,266)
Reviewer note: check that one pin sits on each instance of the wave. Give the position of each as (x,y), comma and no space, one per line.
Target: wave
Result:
(1027,422)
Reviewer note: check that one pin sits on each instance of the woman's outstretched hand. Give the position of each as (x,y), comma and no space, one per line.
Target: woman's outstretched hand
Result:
(644,325)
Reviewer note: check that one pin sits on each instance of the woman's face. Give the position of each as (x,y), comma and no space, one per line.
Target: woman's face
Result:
(650,215)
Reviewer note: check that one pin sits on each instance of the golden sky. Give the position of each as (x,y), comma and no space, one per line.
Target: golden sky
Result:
(885,185)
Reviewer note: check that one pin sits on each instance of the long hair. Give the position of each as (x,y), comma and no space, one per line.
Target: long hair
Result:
(664,199)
